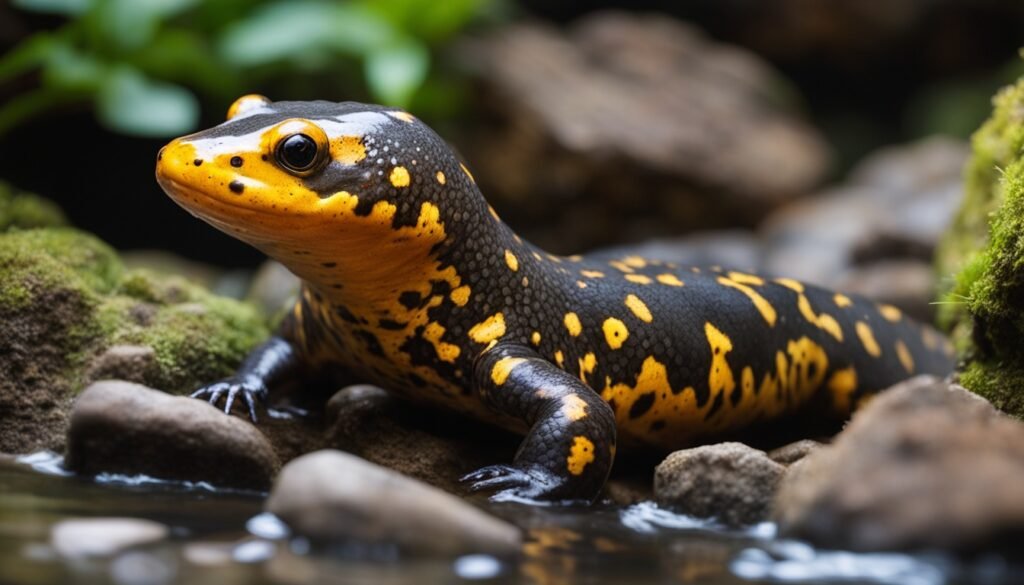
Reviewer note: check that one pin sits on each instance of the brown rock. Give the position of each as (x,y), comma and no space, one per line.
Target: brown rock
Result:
(125,428)
(728,481)
(793,452)
(131,363)
(924,465)
(336,496)
(632,126)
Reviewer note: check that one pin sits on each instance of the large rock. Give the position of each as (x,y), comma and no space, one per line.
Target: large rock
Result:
(120,427)
(80,538)
(923,465)
(731,482)
(68,311)
(336,496)
(628,126)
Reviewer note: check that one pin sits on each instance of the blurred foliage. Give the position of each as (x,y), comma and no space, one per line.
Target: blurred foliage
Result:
(143,64)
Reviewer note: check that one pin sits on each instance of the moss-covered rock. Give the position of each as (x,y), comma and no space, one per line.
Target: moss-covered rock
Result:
(19,209)
(65,298)
(984,304)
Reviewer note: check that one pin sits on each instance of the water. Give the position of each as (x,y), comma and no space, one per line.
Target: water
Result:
(222,537)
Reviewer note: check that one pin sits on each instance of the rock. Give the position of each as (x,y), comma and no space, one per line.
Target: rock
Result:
(793,452)
(103,537)
(924,465)
(22,210)
(66,298)
(984,249)
(132,363)
(632,126)
(728,481)
(895,205)
(120,427)
(273,288)
(905,283)
(167,263)
(432,446)
(335,496)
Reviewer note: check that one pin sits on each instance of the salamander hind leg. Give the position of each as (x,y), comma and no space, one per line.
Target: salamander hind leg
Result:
(569,449)
(264,368)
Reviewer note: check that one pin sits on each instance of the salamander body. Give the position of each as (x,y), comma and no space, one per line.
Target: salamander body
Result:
(411,281)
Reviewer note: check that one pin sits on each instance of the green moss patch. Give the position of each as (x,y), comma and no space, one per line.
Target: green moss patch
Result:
(19,209)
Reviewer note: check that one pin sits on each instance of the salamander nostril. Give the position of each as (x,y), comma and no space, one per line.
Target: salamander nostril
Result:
(197,162)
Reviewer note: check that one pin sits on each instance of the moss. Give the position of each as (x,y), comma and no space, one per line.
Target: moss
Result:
(984,308)
(65,298)
(19,209)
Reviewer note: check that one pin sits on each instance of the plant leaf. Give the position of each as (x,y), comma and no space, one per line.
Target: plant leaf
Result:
(131,103)
(62,7)
(394,73)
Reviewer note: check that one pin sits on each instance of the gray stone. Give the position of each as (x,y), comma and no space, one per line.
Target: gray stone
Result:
(132,363)
(101,537)
(924,465)
(905,283)
(120,427)
(335,496)
(273,288)
(731,482)
(793,452)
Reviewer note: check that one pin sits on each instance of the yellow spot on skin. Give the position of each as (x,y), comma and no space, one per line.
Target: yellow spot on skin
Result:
(621,266)
(790,284)
(399,177)
(580,455)
(440,177)
(535,338)
(639,308)
(867,339)
(841,385)
(503,368)
(460,296)
(743,278)
(615,332)
(890,313)
(511,260)
(572,323)
(446,352)
(489,329)
(592,273)
(842,301)
(669,279)
(638,278)
(904,355)
(348,150)
(720,378)
(760,303)
(468,174)
(823,321)
(587,365)
(574,408)
(403,116)
(634,261)
(559,358)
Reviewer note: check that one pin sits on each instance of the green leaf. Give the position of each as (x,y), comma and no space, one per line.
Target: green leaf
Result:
(32,53)
(427,19)
(69,69)
(130,24)
(279,31)
(394,73)
(62,7)
(131,103)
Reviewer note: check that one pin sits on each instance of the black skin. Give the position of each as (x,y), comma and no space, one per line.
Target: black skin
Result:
(533,392)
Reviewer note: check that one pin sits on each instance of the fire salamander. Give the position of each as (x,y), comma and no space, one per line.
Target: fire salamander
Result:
(412,282)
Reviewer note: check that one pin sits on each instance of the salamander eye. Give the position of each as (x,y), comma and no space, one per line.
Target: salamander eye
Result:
(297,153)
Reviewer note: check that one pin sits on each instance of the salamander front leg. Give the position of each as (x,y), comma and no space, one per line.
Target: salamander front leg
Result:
(569,449)
(263,369)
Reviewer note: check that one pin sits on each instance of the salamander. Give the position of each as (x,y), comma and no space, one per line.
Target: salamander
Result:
(411,281)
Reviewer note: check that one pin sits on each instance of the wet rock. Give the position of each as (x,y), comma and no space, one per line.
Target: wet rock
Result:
(120,427)
(793,452)
(432,446)
(633,126)
(895,205)
(103,537)
(132,363)
(728,481)
(336,496)
(924,465)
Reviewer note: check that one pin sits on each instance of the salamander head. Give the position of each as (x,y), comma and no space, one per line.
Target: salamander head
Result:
(292,175)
